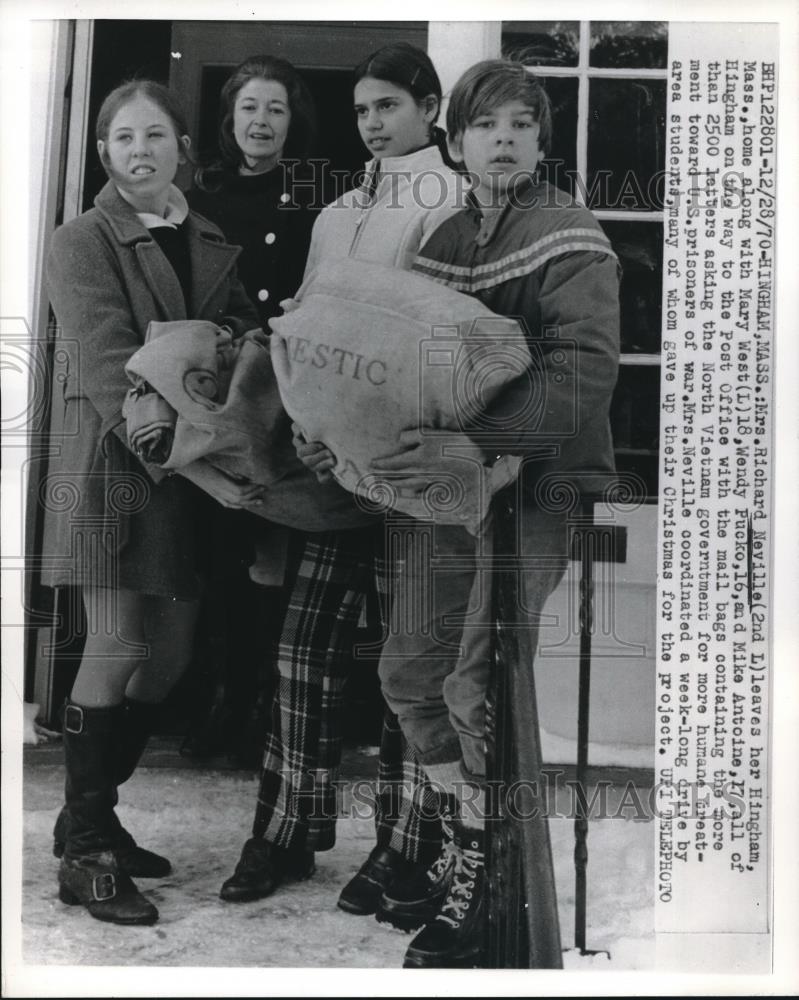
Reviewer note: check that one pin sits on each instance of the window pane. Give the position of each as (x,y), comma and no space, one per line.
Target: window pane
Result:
(626,139)
(541,43)
(639,246)
(620,44)
(646,467)
(635,422)
(560,167)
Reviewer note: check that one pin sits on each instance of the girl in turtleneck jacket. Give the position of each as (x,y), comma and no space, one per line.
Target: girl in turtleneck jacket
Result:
(403,198)
(408,190)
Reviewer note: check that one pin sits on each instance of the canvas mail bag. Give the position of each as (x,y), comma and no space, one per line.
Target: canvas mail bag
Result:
(371,351)
(199,394)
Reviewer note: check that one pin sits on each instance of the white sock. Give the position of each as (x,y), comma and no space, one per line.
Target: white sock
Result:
(473,807)
(448,777)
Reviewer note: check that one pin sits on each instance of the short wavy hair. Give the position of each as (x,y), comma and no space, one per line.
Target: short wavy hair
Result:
(487,85)
(302,128)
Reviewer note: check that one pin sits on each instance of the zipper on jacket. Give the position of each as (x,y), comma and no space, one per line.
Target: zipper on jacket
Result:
(359,228)
(359,222)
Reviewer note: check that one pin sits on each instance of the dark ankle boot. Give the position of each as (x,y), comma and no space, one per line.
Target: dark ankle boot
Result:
(137,721)
(90,874)
(455,938)
(262,868)
(409,902)
(384,866)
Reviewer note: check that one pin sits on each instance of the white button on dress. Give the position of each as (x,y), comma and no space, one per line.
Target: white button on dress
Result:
(263,295)
(270,238)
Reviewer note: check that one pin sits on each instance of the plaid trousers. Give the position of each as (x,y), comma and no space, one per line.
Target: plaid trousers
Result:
(329,574)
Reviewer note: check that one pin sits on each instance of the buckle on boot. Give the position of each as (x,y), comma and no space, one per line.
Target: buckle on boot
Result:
(104,887)
(73,719)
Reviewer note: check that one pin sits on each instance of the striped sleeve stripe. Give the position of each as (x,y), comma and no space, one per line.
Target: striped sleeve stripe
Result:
(458,284)
(431,267)
(532,264)
(514,265)
(598,243)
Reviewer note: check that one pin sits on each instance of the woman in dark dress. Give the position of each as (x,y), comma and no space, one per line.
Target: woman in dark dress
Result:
(260,191)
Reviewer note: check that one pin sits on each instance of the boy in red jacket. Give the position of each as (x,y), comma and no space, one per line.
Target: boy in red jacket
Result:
(528,251)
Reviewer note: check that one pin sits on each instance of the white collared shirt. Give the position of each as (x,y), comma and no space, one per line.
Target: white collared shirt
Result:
(177,209)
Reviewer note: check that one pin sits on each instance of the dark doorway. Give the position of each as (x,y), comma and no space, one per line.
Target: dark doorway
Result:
(122,50)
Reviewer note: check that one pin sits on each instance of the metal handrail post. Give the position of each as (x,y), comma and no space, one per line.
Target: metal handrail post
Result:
(587,542)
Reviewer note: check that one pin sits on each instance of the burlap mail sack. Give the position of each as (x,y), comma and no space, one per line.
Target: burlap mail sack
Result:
(371,351)
(227,410)
(216,389)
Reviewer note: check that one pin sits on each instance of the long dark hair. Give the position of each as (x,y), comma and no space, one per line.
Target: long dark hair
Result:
(405,66)
(411,68)
(302,129)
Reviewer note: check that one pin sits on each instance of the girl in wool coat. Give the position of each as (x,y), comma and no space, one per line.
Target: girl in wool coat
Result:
(124,533)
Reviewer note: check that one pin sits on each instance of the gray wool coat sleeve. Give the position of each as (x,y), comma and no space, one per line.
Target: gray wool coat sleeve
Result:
(104,292)
(88,297)
(110,520)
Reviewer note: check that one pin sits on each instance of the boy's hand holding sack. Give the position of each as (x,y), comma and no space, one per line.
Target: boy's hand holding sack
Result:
(373,354)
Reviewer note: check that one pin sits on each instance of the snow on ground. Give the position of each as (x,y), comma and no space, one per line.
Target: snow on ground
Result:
(200,819)
(554,747)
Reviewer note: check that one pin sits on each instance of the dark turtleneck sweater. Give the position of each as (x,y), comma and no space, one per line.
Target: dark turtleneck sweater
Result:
(270,216)
(175,245)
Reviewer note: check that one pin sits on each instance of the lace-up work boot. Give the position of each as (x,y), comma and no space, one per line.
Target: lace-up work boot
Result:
(407,904)
(455,937)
